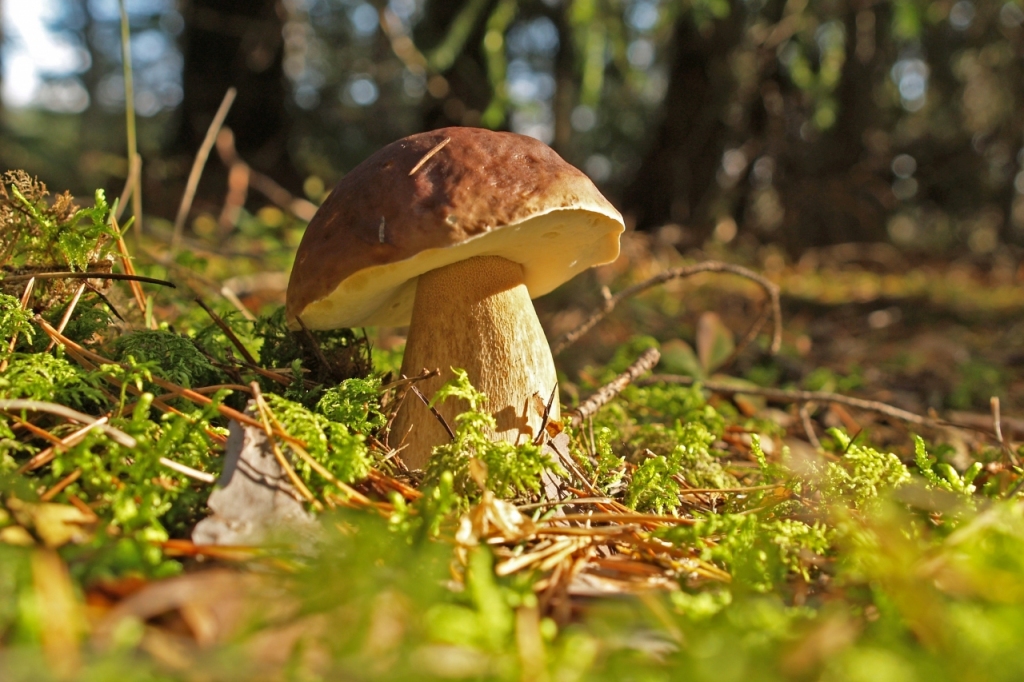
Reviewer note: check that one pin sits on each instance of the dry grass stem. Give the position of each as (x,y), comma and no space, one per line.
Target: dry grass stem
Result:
(120,437)
(61,485)
(282,461)
(67,314)
(188,471)
(198,165)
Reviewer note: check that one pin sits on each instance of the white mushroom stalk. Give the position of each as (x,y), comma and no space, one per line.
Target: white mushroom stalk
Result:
(476,315)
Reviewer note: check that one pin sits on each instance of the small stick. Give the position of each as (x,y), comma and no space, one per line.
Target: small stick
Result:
(88,275)
(647,360)
(74,415)
(300,208)
(805,419)
(997,428)
(440,417)
(748,338)
(609,303)
(67,314)
(217,320)
(269,374)
(233,299)
(63,483)
(106,302)
(36,431)
(426,157)
(197,167)
(188,471)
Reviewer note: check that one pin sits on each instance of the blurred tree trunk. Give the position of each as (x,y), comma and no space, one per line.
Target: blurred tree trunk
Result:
(676,177)
(237,43)
(832,189)
(467,92)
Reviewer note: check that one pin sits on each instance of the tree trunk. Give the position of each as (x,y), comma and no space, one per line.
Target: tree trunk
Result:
(237,43)
(677,175)
(468,90)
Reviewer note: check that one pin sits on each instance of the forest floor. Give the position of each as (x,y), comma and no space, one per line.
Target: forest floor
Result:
(744,531)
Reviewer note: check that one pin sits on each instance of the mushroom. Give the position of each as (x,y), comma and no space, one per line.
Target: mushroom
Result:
(453,232)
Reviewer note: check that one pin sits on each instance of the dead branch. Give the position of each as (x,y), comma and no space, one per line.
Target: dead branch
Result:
(793,396)
(610,302)
(647,360)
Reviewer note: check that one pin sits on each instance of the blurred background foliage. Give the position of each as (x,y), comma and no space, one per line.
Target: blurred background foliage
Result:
(797,122)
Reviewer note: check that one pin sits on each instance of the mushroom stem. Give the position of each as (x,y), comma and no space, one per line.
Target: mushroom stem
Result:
(476,315)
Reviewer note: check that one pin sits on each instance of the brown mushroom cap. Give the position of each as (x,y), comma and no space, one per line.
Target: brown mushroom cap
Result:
(483,193)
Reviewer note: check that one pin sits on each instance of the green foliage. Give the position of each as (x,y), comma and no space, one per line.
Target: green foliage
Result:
(13,321)
(512,470)
(355,403)
(173,357)
(37,376)
(864,475)
(941,475)
(345,353)
(330,441)
(760,553)
(36,233)
(654,487)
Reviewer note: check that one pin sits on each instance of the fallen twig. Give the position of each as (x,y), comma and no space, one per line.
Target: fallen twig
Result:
(610,302)
(297,206)
(647,360)
(805,419)
(793,395)
(74,415)
(46,456)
